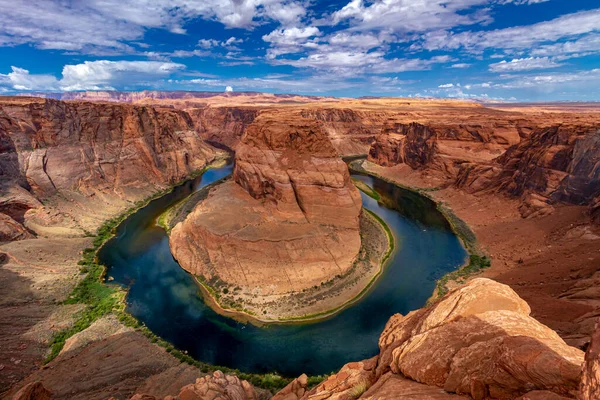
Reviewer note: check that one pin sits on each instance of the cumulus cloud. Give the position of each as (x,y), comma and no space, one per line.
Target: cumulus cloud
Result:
(228,89)
(523,64)
(410,15)
(446,85)
(21,79)
(108,26)
(90,75)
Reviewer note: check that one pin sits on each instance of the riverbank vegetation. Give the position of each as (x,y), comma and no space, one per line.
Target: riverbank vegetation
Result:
(101,300)
(377,245)
(477,261)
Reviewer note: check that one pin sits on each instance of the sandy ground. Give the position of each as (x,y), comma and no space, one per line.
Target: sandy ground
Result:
(551,261)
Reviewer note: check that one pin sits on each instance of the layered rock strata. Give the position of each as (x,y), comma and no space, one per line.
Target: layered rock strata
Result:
(286,223)
(555,164)
(478,341)
(413,144)
(88,156)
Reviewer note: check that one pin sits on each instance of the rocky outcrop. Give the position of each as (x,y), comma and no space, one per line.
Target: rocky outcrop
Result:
(413,144)
(590,380)
(222,125)
(217,386)
(33,391)
(287,222)
(555,164)
(478,341)
(91,156)
(292,165)
(12,230)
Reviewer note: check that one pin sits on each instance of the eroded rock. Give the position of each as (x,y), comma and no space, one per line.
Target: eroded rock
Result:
(287,222)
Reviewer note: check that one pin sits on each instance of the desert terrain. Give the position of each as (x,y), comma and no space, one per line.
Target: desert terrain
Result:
(524,178)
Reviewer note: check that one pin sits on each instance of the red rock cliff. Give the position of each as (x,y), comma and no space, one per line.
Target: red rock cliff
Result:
(92,154)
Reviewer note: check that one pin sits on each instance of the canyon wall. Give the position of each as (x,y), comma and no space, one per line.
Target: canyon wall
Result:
(413,144)
(80,158)
(222,125)
(554,164)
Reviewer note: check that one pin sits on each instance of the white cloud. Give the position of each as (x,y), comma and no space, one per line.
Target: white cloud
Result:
(460,65)
(208,43)
(576,80)
(90,75)
(228,89)
(523,64)
(291,36)
(520,37)
(108,26)
(21,79)
(589,44)
(446,85)
(410,15)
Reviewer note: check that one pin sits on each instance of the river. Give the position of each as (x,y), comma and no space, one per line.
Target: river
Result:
(166,298)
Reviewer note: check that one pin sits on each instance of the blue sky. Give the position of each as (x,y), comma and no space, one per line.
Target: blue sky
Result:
(526,50)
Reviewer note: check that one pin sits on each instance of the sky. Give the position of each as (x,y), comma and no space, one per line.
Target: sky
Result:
(507,50)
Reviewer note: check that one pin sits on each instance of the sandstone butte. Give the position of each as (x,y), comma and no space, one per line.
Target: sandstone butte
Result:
(287,222)
(524,178)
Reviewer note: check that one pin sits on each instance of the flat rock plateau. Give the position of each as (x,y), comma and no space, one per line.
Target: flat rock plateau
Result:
(525,178)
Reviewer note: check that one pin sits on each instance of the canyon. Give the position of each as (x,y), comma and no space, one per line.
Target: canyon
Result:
(525,179)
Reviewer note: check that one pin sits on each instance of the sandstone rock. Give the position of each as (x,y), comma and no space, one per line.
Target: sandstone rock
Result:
(391,387)
(590,380)
(293,165)
(95,157)
(555,164)
(288,221)
(218,387)
(294,390)
(479,340)
(12,230)
(349,383)
(413,144)
(534,205)
(222,125)
(33,391)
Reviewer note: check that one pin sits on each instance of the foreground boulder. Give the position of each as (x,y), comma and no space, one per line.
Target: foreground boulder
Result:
(217,386)
(478,341)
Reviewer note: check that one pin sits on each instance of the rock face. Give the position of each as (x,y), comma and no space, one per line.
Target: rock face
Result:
(222,125)
(555,164)
(292,165)
(590,380)
(413,144)
(479,341)
(288,221)
(217,386)
(91,156)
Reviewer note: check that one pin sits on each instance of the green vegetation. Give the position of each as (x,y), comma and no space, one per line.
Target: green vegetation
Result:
(101,300)
(476,264)
(366,189)
(358,389)
(478,260)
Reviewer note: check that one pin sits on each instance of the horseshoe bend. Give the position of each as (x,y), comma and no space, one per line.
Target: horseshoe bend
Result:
(417,248)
